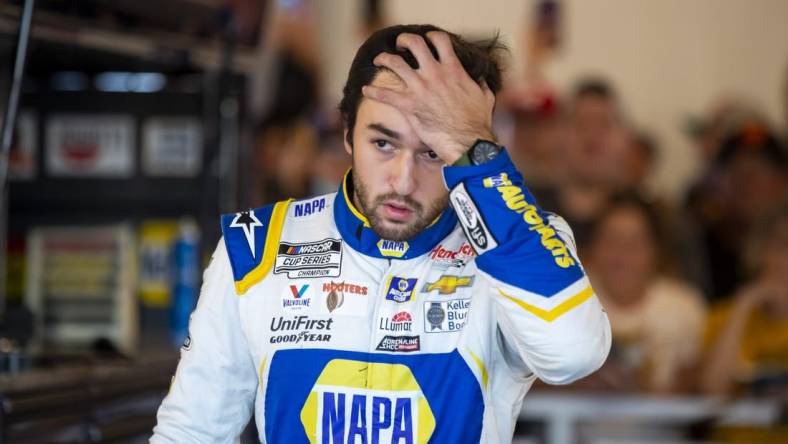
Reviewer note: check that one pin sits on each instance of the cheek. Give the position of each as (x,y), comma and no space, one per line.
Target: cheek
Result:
(430,182)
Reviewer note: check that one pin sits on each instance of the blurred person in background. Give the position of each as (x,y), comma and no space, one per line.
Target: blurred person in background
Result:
(287,83)
(285,160)
(657,321)
(683,245)
(538,135)
(372,17)
(331,162)
(747,336)
(530,105)
(597,144)
(746,180)
(639,160)
(287,96)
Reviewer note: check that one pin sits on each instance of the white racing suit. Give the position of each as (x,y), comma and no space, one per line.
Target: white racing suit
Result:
(329,334)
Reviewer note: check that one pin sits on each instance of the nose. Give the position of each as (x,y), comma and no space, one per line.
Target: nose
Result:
(402,174)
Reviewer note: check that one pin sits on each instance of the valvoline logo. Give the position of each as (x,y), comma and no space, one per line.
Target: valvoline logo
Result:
(298,292)
(356,401)
(297,297)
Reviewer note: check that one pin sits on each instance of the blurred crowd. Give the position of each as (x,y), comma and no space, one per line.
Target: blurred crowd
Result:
(696,289)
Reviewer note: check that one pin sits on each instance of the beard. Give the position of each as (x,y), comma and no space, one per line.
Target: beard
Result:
(396,230)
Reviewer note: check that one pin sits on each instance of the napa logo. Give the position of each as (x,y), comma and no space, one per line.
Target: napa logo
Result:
(309,207)
(392,248)
(514,198)
(499,180)
(356,401)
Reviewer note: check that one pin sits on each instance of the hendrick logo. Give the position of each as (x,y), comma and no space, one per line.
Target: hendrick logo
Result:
(455,257)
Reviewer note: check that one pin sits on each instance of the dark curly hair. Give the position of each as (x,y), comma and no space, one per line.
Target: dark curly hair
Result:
(480,59)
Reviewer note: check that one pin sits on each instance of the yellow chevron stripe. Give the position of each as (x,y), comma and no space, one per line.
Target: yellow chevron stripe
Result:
(262,367)
(560,309)
(482,368)
(349,201)
(275,226)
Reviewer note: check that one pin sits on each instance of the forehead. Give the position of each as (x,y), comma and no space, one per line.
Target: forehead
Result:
(593,104)
(372,111)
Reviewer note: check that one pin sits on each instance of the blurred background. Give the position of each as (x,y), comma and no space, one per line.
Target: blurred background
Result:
(657,128)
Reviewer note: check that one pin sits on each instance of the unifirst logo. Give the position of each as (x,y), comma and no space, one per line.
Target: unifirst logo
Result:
(356,401)
(515,200)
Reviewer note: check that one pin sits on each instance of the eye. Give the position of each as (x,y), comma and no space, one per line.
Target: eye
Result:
(382,144)
(431,156)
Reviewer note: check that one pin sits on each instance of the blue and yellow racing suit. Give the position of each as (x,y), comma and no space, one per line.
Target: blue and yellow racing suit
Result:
(329,334)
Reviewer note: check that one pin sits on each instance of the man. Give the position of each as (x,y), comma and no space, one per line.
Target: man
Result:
(379,314)
(593,159)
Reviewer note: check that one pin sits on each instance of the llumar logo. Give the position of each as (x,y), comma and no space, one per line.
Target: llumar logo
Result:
(356,401)
(515,200)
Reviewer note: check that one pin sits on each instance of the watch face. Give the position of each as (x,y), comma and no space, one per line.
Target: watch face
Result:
(484,152)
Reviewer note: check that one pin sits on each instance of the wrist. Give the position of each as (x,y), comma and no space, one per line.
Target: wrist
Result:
(460,146)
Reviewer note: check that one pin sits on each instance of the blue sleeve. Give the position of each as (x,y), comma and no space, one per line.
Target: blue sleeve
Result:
(513,237)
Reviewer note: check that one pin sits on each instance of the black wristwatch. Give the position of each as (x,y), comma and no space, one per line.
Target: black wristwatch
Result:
(480,153)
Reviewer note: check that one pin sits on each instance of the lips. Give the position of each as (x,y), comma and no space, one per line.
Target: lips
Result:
(397,211)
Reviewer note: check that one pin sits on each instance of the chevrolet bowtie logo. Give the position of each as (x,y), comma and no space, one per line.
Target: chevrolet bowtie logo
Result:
(448,284)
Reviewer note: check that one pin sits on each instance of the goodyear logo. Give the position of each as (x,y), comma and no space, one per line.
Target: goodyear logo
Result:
(356,401)
(392,248)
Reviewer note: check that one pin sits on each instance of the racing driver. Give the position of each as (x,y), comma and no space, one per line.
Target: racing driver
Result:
(417,304)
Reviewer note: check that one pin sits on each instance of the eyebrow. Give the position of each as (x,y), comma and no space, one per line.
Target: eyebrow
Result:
(385,131)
